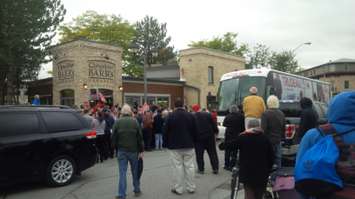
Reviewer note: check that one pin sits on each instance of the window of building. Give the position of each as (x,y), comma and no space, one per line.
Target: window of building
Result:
(346,84)
(152,99)
(106,93)
(133,101)
(163,102)
(210,75)
(67,97)
(18,123)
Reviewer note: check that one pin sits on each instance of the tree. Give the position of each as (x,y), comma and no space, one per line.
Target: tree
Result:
(259,56)
(26,31)
(284,61)
(227,43)
(112,29)
(152,36)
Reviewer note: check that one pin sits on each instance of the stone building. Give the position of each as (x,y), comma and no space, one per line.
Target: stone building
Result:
(340,73)
(201,69)
(82,68)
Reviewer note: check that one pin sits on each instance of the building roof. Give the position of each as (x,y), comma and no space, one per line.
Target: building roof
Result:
(160,67)
(82,39)
(211,52)
(124,78)
(338,61)
(343,60)
(128,78)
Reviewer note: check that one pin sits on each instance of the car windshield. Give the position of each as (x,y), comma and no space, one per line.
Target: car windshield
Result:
(234,90)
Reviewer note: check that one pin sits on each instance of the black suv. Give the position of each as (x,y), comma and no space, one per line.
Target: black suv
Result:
(50,143)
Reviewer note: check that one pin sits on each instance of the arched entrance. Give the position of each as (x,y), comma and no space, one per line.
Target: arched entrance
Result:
(67,97)
(107,93)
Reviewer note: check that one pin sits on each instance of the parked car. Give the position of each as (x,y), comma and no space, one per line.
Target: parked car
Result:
(49,143)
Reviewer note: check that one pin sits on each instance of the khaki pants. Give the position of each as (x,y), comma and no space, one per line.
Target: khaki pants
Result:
(183,169)
(247,119)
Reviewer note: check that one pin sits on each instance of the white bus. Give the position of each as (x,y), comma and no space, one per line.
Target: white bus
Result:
(289,88)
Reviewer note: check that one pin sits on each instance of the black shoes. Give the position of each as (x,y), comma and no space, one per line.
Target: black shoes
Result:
(215,172)
(201,172)
(137,194)
(227,168)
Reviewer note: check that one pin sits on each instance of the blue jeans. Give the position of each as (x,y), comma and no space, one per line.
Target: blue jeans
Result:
(123,158)
(158,141)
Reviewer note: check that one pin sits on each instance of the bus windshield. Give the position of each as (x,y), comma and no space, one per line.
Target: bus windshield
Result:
(233,91)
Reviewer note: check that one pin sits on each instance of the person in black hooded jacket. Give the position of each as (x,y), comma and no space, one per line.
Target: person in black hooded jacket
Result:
(309,117)
(234,123)
(206,134)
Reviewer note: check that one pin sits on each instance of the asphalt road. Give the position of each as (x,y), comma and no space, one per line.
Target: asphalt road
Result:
(100,182)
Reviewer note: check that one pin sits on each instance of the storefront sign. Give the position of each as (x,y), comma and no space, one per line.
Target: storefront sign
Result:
(65,70)
(101,70)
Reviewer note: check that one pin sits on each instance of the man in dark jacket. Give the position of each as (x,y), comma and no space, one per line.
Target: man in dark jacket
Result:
(273,124)
(234,123)
(179,138)
(148,129)
(308,118)
(205,139)
(110,121)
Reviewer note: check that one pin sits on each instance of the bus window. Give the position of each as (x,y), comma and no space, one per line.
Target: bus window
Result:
(227,94)
(234,90)
(247,82)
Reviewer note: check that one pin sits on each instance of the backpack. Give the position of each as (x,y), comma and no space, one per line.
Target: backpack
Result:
(316,172)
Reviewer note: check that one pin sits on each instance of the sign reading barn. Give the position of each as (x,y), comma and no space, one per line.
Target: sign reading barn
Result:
(65,70)
(101,70)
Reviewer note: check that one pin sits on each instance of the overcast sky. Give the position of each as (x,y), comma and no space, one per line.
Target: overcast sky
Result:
(279,24)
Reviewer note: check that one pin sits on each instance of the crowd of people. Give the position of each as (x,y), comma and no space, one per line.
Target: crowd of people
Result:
(254,131)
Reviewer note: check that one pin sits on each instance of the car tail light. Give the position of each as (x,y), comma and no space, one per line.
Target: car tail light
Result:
(90,135)
(290,131)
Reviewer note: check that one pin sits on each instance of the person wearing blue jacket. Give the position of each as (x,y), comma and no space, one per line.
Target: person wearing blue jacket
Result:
(340,116)
(36,101)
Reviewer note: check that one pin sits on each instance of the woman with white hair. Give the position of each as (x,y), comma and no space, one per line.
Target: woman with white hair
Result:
(128,140)
(273,124)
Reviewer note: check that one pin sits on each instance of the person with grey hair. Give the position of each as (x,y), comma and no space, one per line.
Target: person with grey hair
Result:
(128,140)
(234,123)
(256,159)
(273,123)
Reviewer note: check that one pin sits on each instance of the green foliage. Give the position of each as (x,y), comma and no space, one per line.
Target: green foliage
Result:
(258,56)
(261,55)
(284,61)
(227,43)
(26,31)
(112,29)
(152,36)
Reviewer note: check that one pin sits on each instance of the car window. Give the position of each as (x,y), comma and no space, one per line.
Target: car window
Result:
(18,123)
(61,121)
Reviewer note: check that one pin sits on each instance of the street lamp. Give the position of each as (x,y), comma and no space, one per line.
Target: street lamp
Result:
(134,48)
(306,43)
